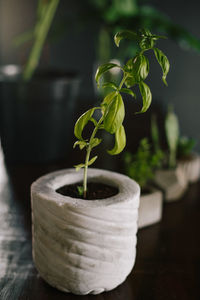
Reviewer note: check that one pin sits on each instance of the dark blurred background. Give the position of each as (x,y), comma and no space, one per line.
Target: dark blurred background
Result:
(73,39)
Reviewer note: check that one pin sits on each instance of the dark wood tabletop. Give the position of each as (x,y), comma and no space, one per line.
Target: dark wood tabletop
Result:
(168,253)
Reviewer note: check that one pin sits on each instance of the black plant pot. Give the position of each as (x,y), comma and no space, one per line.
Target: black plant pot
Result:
(37,117)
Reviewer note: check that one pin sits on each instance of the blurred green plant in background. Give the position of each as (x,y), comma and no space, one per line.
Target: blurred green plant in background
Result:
(179,147)
(108,17)
(116,15)
(185,146)
(141,165)
(46,10)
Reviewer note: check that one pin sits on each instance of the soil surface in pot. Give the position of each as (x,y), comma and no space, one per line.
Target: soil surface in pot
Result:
(95,191)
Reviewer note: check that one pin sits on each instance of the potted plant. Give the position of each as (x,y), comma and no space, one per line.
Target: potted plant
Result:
(35,104)
(141,167)
(84,231)
(188,160)
(171,178)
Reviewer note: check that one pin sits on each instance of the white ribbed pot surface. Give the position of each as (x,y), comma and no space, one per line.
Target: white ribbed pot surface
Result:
(150,209)
(191,167)
(84,246)
(173,182)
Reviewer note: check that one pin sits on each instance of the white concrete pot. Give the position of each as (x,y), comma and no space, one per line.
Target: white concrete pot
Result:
(191,167)
(150,209)
(172,182)
(84,246)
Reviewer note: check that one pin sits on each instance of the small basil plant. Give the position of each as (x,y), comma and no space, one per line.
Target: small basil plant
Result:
(112,112)
(141,166)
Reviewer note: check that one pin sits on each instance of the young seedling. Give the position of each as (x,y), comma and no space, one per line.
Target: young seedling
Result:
(134,73)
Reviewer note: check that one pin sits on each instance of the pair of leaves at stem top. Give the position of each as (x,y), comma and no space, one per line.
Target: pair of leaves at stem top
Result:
(145,39)
(136,69)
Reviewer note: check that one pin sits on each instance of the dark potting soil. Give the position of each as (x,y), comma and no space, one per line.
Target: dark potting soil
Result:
(95,191)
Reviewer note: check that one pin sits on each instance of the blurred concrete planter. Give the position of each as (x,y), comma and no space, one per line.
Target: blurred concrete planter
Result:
(150,209)
(36,117)
(84,246)
(172,182)
(191,167)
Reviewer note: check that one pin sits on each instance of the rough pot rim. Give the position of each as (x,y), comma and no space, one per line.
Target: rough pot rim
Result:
(49,183)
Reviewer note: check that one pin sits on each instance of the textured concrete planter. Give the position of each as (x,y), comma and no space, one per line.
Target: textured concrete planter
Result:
(172,182)
(83,246)
(191,167)
(150,209)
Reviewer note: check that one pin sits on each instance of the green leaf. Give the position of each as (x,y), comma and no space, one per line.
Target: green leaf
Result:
(125,34)
(130,80)
(146,96)
(128,91)
(120,141)
(145,32)
(101,126)
(129,73)
(141,66)
(82,122)
(95,142)
(78,167)
(80,190)
(103,69)
(129,66)
(110,85)
(147,40)
(81,144)
(93,121)
(107,100)
(92,160)
(114,114)
(136,69)
(157,37)
(163,62)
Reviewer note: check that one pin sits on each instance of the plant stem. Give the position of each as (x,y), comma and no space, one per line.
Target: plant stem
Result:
(122,82)
(88,151)
(40,35)
(85,172)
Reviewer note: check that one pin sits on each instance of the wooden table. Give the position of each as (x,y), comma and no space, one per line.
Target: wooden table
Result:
(168,254)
